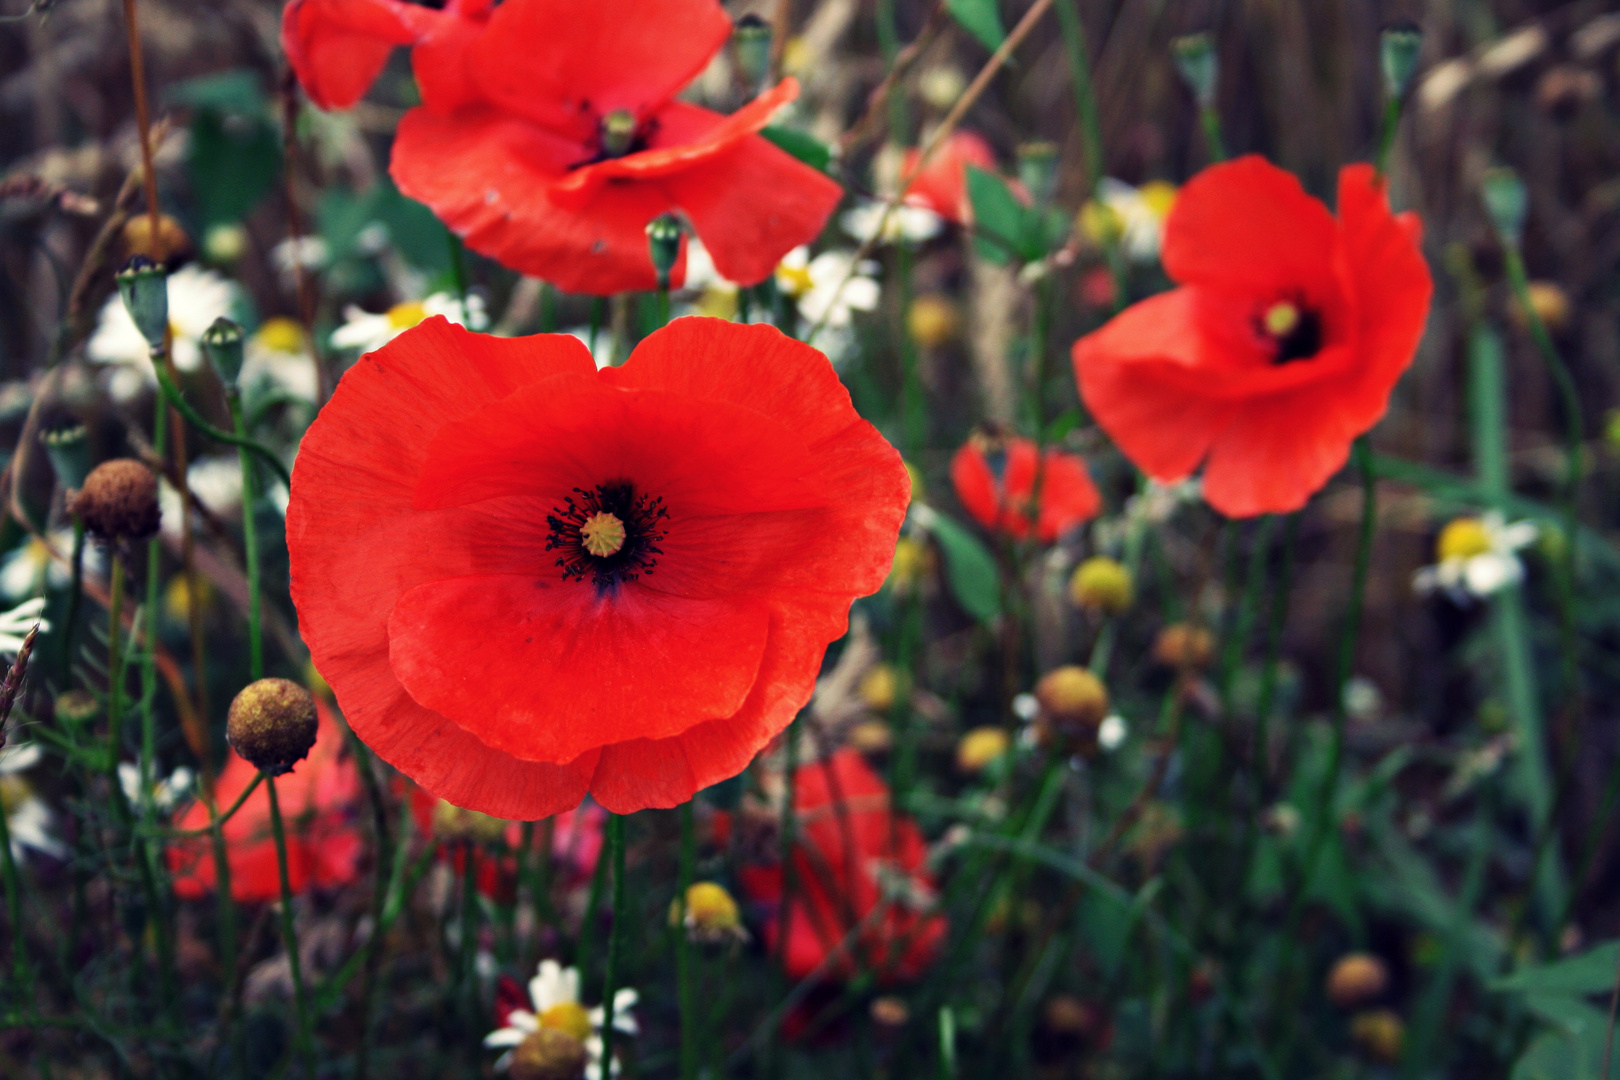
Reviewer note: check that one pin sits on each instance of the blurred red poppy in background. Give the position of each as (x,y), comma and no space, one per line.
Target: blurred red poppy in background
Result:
(549,134)
(318,800)
(858,866)
(941,185)
(1282,344)
(576,842)
(526,579)
(996,480)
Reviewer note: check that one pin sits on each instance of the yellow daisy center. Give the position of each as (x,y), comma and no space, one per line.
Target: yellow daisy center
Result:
(569,1017)
(1464,539)
(794,280)
(280,334)
(404,316)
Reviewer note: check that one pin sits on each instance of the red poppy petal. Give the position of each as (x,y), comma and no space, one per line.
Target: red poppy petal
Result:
(663,773)
(1390,281)
(337,48)
(942,185)
(487,176)
(1274,455)
(567,63)
(754,204)
(686,135)
(1067,495)
(1246,226)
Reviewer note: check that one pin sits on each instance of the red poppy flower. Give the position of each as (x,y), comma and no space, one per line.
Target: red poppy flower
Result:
(995,479)
(941,185)
(576,842)
(549,134)
(526,579)
(851,848)
(318,801)
(1282,344)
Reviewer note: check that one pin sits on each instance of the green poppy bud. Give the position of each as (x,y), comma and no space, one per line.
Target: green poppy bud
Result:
(144,286)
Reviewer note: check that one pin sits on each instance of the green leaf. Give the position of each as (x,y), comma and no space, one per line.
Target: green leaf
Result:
(970,570)
(239,91)
(807,148)
(998,216)
(1571,1047)
(981,18)
(1592,972)
(235,161)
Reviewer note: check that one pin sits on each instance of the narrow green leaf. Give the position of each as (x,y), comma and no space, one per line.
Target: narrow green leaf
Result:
(998,216)
(807,148)
(970,570)
(981,18)
(1591,972)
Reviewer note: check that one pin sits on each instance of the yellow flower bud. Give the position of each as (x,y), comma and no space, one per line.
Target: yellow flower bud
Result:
(933,321)
(979,747)
(1103,585)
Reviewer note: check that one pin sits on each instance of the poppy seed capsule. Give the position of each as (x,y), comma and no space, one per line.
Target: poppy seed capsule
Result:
(1356,979)
(119,501)
(549,1054)
(272,725)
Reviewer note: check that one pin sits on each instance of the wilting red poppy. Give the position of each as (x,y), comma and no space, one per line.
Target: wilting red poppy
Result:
(576,842)
(1280,347)
(549,134)
(996,480)
(852,850)
(318,802)
(526,579)
(941,185)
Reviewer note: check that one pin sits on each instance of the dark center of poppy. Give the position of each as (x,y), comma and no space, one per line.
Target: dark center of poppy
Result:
(609,534)
(1296,331)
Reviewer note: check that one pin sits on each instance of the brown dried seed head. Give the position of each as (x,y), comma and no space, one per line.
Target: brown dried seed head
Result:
(119,501)
(272,724)
(1356,979)
(549,1054)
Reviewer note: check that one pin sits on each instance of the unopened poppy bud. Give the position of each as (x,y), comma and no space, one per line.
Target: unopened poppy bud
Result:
(451,822)
(1037,170)
(118,502)
(664,243)
(1185,646)
(549,1054)
(1195,60)
(1101,584)
(67,444)
(1506,202)
(980,747)
(1356,978)
(751,47)
(1072,697)
(222,344)
(272,724)
(144,287)
(932,321)
(1398,48)
(712,915)
(1380,1035)
(169,246)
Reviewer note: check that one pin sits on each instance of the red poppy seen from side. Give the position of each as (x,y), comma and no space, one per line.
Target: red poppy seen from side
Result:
(549,134)
(996,479)
(1289,330)
(526,580)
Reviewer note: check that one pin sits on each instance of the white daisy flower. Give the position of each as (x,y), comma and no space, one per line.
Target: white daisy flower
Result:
(554,995)
(217,483)
(277,356)
(196,298)
(819,288)
(29,569)
(28,819)
(15,624)
(1477,557)
(166,793)
(312,252)
(367,332)
(1135,215)
(904,222)
(1112,732)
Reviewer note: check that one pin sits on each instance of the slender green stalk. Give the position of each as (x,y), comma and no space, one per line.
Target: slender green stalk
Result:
(195,419)
(75,597)
(289,933)
(1386,134)
(229,958)
(585,953)
(616,943)
(691,1037)
(382,874)
(154,571)
(22,973)
(1268,676)
(1085,96)
(115,678)
(250,539)
(788,836)
(458,269)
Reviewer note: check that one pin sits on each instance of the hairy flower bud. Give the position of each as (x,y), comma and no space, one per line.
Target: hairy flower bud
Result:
(1398,49)
(118,502)
(272,724)
(1195,60)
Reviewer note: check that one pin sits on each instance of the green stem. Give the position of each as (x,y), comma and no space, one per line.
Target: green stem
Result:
(616,944)
(75,598)
(1210,120)
(458,270)
(115,679)
(382,875)
(194,418)
(289,933)
(250,540)
(585,953)
(22,971)
(1085,97)
(691,1037)
(1386,134)
(230,962)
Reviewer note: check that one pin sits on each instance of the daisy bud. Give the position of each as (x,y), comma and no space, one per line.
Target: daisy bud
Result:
(1102,585)
(1398,49)
(932,321)
(1183,645)
(272,724)
(1356,978)
(118,502)
(222,344)
(1506,202)
(549,1054)
(751,49)
(451,822)
(712,915)
(1037,170)
(664,242)
(169,247)
(1195,60)
(979,748)
(67,444)
(144,287)
(1380,1034)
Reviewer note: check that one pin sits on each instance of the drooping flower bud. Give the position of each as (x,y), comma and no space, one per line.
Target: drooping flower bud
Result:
(1102,585)
(1506,202)
(67,444)
(751,47)
(118,502)
(664,244)
(144,287)
(222,344)
(272,724)
(549,1054)
(1398,49)
(1195,60)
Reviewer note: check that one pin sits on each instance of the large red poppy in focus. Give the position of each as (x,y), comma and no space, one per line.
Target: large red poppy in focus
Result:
(526,579)
(318,800)
(549,134)
(852,847)
(1282,344)
(996,479)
